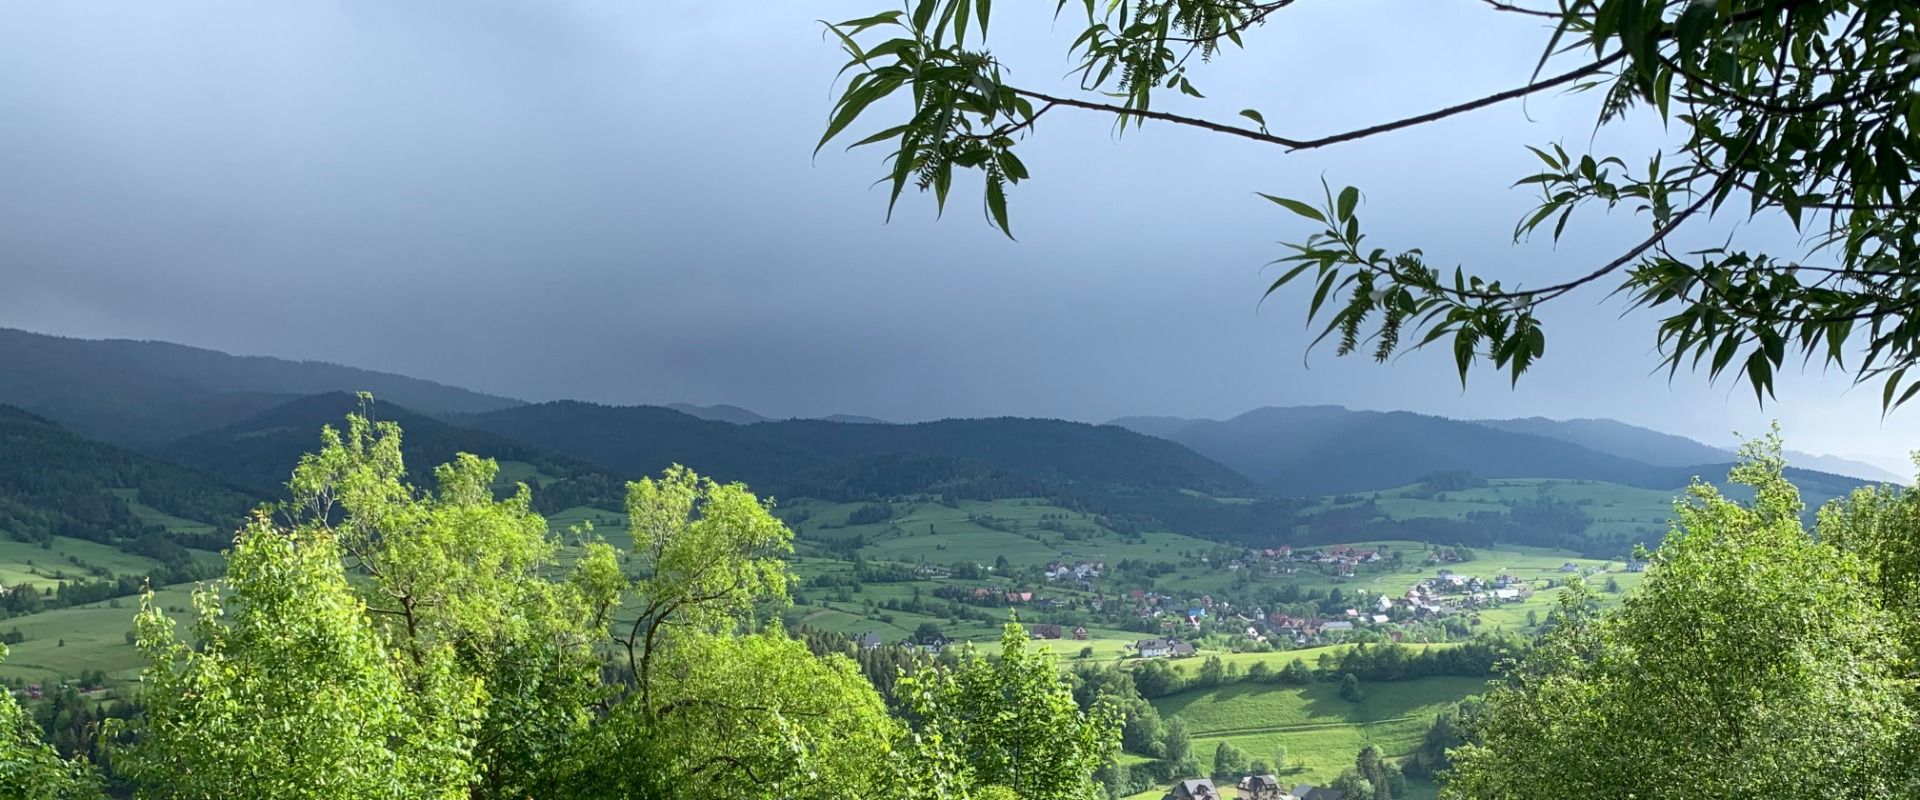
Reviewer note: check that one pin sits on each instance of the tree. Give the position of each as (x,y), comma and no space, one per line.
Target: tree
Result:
(1754,657)
(458,570)
(1297,673)
(1788,113)
(289,691)
(31,769)
(758,714)
(1350,690)
(1011,723)
(1229,762)
(751,715)
(1177,749)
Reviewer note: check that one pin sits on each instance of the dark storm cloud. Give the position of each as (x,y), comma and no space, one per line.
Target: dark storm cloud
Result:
(616,201)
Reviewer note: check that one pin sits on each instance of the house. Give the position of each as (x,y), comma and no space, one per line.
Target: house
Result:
(1046,631)
(1337,626)
(1260,787)
(868,641)
(1080,634)
(1153,648)
(1196,789)
(1180,650)
(1636,566)
(1569,567)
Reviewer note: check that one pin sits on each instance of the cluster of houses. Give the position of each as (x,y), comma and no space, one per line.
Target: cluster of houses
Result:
(1083,572)
(1174,613)
(1340,560)
(1253,787)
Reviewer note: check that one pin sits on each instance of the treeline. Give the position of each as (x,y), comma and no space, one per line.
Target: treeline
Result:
(1479,658)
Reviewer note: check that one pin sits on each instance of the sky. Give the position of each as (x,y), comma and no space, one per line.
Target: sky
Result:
(617,201)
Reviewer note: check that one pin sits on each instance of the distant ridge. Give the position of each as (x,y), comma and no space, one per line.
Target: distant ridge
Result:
(1322,450)
(736,415)
(1668,450)
(854,419)
(719,413)
(260,452)
(141,393)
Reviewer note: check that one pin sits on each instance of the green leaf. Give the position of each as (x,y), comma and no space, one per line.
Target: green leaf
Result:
(1255,116)
(1296,207)
(1349,197)
(997,206)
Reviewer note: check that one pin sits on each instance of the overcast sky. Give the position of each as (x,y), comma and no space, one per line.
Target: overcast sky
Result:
(614,200)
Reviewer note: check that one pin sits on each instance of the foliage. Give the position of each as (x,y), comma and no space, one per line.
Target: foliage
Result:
(1011,723)
(289,693)
(754,716)
(31,769)
(1754,658)
(456,571)
(1229,762)
(1787,113)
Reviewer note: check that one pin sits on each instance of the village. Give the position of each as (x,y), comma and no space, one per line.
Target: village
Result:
(1265,609)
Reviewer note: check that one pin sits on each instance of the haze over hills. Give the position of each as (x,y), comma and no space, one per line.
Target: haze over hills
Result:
(1665,449)
(1317,450)
(141,393)
(741,416)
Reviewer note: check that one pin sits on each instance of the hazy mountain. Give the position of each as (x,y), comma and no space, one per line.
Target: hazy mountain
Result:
(54,482)
(142,393)
(1317,450)
(260,452)
(1616,438)
(1669,450)
(719,413)
(1846,466)
(742,416)
(854,419)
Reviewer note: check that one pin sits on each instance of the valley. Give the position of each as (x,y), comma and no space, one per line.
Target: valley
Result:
(1109,544)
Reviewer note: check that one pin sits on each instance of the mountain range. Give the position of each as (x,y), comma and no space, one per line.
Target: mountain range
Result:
(1332,449)
(222,426)
(143,393)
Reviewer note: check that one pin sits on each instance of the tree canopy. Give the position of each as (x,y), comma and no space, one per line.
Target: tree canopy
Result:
(1754,660)
(375,639)
(1800,115)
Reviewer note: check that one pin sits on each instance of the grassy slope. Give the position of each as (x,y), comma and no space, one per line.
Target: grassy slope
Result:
(94,637)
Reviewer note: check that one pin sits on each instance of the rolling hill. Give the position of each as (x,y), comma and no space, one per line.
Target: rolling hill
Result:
(139,393)
(55,483)
(643,439)
(260,452)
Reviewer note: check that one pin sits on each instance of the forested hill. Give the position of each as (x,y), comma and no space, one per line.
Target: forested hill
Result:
(261,451)
(642,439)
(1323,450)
(56,483)
(139,393)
